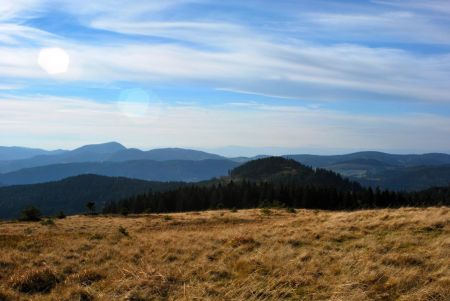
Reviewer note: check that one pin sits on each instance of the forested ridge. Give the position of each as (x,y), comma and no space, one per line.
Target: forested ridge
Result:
(71,195)
(276,182)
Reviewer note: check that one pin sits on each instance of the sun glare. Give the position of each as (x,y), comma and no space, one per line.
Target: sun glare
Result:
(139,103)
(54,60)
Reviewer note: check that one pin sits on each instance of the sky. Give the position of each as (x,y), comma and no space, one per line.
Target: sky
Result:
(234,77)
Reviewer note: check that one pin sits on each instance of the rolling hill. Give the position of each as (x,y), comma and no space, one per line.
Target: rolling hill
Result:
(282,170)
(408,178)
(388,171)
(9,153)
(385,158)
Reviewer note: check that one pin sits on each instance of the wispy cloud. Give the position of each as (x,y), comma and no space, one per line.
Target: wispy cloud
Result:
(220,54)
(436,6)
(214,126)
(397,26)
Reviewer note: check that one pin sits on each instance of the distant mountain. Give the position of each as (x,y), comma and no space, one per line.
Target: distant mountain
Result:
(388,171)
(111,151)
(104,148)
(369,168)
(408,178)
(70,195)
(388,159)
(163,154)
(87,153)
(9,153)
(176,170)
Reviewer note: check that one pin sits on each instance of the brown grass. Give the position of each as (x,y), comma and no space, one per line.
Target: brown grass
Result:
(401,254)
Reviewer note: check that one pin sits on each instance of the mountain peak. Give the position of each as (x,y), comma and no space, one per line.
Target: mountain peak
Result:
(108,147)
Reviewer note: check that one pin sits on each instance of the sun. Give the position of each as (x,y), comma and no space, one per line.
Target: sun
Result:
(54,60)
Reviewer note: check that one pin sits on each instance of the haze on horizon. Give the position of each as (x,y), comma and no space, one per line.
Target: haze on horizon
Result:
(230,77)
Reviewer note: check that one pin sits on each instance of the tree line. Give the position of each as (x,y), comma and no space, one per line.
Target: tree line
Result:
(250,194)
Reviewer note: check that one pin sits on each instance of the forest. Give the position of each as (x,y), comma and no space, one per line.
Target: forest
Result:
(276,182)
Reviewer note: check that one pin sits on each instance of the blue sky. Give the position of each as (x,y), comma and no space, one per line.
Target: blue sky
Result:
(229,76)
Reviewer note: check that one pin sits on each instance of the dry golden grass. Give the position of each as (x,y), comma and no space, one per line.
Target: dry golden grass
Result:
(401,254)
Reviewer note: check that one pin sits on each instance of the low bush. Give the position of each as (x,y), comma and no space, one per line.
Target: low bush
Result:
(265,211)
(61,215)
(123,231)
(48,222)
(290,210)
(31,214)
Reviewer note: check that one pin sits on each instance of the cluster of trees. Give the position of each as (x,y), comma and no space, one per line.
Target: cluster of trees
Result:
(250,194)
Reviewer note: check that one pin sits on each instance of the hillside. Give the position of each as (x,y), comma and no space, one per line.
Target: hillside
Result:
(409,178)
(388,171)
(71,195)
(176,170)
(400,254)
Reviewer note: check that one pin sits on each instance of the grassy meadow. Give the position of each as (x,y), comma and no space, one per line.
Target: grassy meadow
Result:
(389,254)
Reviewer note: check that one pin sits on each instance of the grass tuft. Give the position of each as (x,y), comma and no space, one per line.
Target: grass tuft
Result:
(40,280)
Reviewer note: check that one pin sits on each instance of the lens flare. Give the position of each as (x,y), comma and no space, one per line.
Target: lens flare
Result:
(139,103)
(54,60)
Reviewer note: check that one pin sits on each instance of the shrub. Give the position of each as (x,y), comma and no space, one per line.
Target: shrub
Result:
(61,215)
(48,222)
(97,236)
(34,281)
(265,211)
(31,214)
(124,211)
(290,210)
(90,207)
(123,231)
(233,210)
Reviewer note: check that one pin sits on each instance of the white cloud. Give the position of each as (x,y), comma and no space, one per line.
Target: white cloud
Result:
(52,122)
(11,9)
(302,71)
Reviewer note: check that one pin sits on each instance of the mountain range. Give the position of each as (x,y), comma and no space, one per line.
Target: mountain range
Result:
(245,186)
(111,151)
(393,171)
(173,170)
(17,153)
